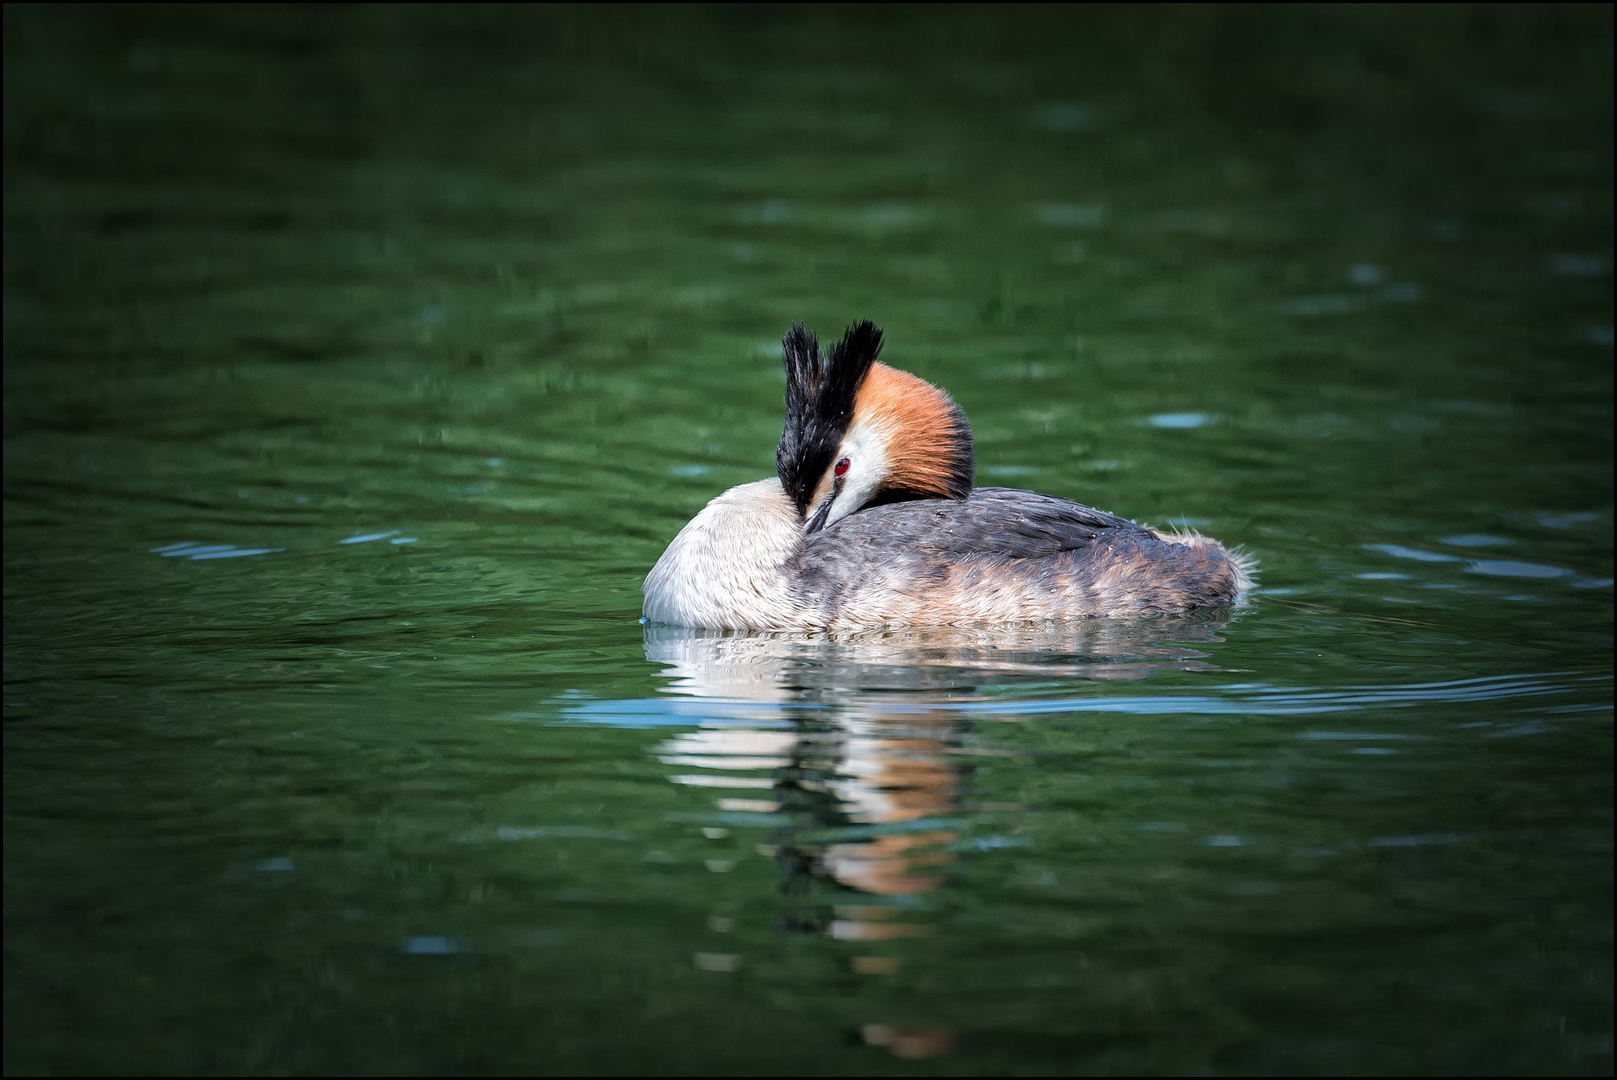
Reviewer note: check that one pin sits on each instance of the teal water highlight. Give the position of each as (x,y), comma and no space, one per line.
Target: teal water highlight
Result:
(360,362)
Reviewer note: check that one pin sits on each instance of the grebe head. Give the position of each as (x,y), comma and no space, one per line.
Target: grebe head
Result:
(859,432)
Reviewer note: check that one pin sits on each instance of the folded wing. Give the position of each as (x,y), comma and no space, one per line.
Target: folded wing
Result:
(992,521)
(1003,554)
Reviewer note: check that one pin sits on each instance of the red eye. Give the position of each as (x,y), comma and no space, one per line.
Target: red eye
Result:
(842,467)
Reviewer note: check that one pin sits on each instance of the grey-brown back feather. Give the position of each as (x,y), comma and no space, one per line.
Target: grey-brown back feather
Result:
(1020,545)
(991,521)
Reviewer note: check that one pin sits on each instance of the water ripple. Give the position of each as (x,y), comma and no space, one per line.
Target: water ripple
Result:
(1239,699)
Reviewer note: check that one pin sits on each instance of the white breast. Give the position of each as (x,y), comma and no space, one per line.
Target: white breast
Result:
(727,567)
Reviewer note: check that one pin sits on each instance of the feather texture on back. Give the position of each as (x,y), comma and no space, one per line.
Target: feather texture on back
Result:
(1005,555)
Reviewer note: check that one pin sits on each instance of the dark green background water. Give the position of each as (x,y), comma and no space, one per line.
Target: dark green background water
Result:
(1331,283)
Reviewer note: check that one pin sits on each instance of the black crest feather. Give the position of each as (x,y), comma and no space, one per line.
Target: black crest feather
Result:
(819,402)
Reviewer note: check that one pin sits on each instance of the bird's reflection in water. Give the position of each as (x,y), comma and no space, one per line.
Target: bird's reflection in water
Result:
(863,780)
(788,667)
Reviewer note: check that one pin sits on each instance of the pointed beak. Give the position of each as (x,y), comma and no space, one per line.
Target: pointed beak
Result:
(816,520)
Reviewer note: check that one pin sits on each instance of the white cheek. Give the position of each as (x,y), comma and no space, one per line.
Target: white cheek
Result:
(858,486)
(867,465)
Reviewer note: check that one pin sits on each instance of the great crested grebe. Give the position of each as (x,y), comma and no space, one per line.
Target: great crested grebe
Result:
(873,522)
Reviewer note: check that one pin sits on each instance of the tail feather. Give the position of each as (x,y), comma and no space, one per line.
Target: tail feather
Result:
(1243,565)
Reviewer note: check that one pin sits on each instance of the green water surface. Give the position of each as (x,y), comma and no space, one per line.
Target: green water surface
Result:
(360,361)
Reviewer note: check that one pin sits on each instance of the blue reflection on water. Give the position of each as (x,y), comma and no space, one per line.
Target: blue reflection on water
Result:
(1510,568)
(431,945)
(196,552)
(1237,699)
(1398,551)
(1180,420)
